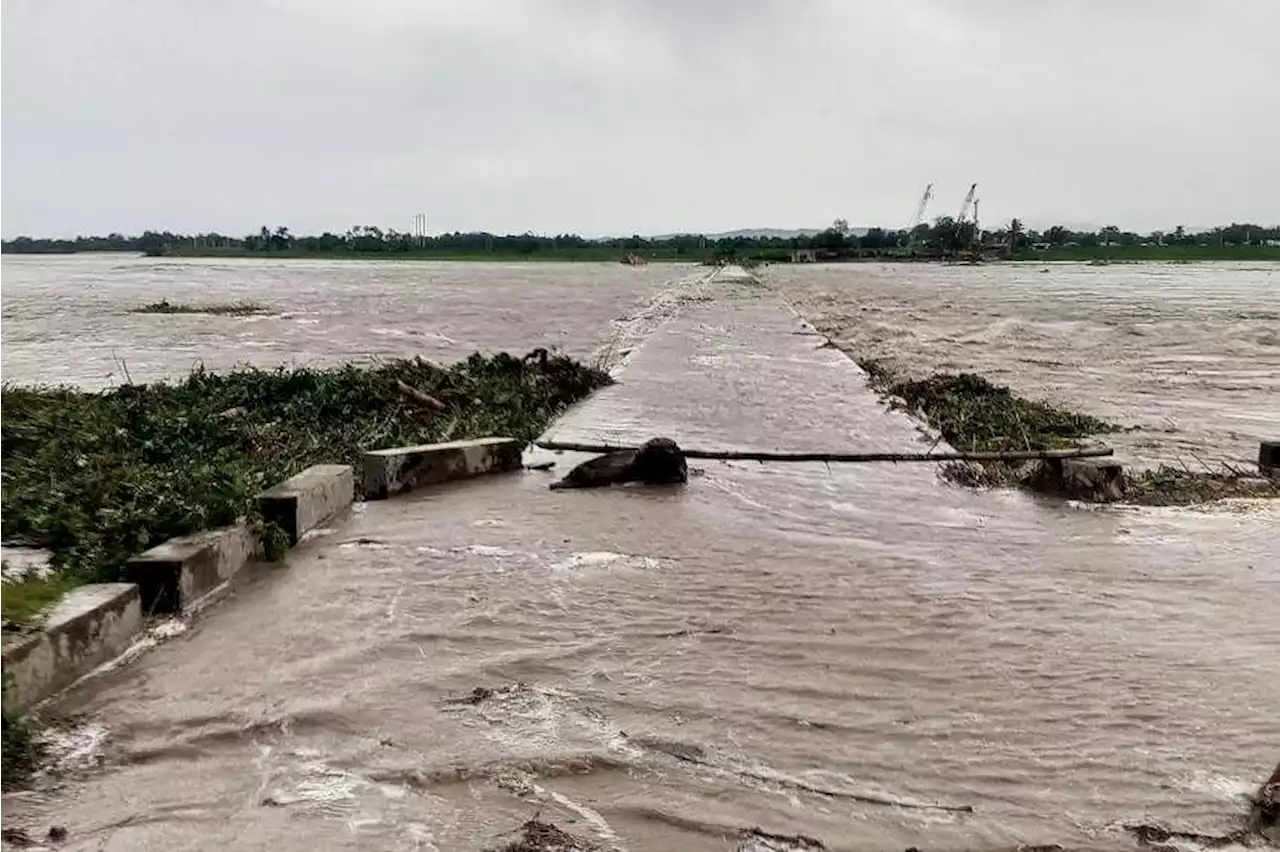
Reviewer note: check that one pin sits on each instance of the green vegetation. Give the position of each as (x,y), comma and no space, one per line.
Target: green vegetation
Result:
(24,600)
(972,414)
(232,309)
(22,750)
(1172,486)
(944,237)
(96,478)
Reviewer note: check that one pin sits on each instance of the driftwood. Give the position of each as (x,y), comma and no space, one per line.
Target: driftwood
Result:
(417,396)
(748,455)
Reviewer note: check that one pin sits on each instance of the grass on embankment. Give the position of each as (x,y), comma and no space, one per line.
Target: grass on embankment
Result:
(229,309)
(97,477)
(973,414)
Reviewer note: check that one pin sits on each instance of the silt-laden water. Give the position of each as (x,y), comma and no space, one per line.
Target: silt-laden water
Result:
(857,653)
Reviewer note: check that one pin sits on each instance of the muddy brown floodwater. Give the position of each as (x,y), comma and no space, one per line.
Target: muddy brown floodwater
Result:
(861,654)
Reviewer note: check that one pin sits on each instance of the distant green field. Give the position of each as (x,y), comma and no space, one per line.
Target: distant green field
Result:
(1123,254)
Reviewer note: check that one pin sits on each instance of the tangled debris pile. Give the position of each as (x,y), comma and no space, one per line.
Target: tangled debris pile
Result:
(972,413)
(538,836)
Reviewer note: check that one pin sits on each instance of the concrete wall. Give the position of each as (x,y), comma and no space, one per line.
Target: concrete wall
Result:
(175,576)
(303,502)
(400,469)
(89,626)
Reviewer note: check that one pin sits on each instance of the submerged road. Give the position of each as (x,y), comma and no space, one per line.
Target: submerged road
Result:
(854,653)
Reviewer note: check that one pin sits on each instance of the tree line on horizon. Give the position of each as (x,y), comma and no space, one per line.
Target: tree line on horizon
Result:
(943,235)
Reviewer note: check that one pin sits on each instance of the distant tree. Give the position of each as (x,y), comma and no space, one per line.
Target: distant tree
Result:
(832,239)
(1056,236)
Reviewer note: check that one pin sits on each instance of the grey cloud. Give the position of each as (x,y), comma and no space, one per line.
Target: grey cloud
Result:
(607,117)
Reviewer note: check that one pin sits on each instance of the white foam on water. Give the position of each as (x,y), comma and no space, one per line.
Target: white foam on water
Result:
(80,747)
(486,550)
(156,633)
(1225,787)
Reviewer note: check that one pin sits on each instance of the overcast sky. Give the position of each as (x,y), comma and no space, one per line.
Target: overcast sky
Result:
(644,116)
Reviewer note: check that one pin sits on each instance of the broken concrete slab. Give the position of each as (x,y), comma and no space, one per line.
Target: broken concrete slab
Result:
(305,501)
(89,626)
(179,574)
(1094,480)
(1269,459)
(399,469)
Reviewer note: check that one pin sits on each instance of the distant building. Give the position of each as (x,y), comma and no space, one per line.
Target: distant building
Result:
(804,255)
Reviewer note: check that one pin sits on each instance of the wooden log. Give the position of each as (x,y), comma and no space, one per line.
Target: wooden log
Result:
(843,458)
(417,396)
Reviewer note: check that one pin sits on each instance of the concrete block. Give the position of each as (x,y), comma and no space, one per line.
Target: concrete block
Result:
(303,502)
(1094,480)
(1269,459)
(89,626)
(176,575)
(400,469)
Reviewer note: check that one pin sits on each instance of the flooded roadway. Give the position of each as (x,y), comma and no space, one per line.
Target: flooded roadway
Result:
(834,651)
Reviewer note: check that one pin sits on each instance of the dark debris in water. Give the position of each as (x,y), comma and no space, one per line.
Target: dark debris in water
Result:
(481,694)
(1166,840)
(759,840)
(538,836)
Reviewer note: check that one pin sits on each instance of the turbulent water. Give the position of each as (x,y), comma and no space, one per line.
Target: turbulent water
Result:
(862,654)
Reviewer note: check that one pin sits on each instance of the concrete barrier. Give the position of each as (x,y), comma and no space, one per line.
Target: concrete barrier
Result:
(1269,459)
(400,469)
(303,502)
(176,575)
(89,626)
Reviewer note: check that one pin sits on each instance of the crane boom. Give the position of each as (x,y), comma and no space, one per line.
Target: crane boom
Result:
(918,216)
(968,202)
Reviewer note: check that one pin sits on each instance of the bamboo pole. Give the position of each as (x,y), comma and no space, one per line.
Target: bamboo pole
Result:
(750,455)
(425,400)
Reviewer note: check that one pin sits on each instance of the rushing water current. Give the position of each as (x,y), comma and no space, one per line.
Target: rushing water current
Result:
(862,654)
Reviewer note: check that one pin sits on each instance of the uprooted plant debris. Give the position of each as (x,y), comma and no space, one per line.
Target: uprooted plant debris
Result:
(97,477)
(973,414)
(229,309)
(538,836)
(1173,486)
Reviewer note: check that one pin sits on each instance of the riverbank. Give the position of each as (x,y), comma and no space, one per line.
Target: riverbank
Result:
(143,463)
